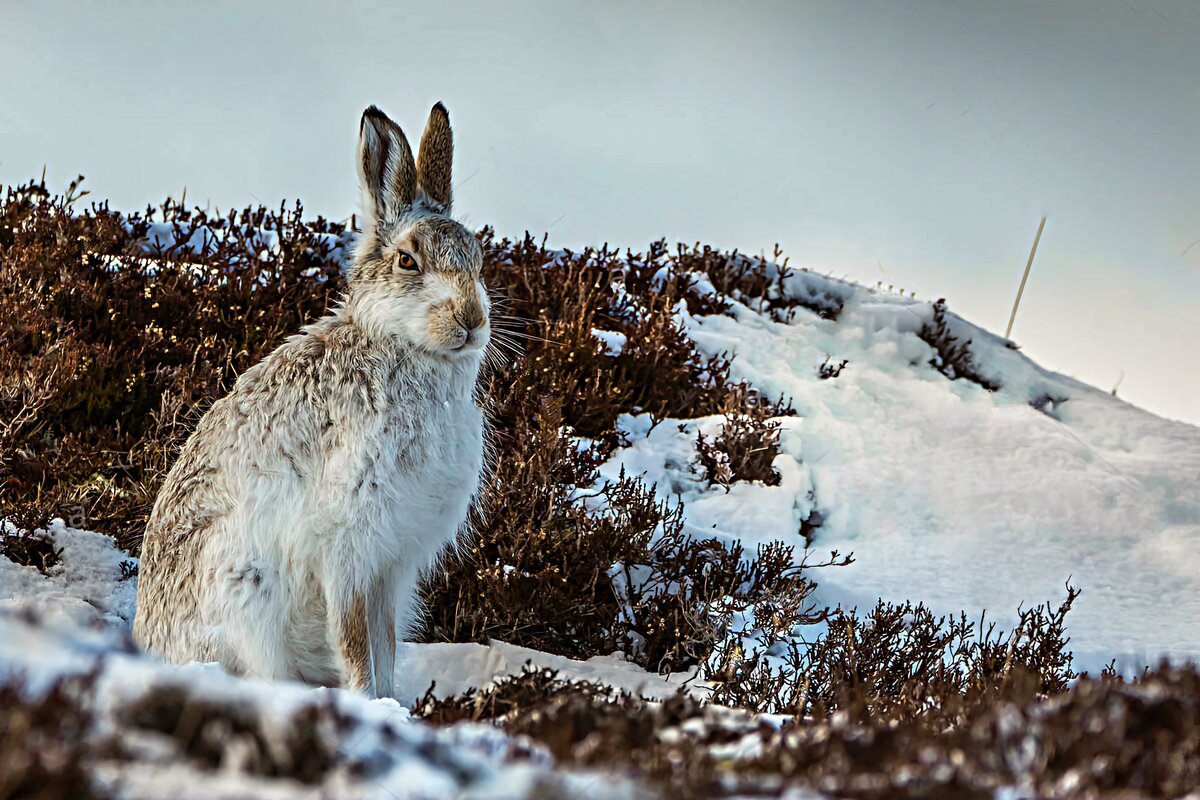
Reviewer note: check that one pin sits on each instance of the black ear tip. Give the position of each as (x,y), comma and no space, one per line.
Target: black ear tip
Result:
(439,108)
(374,113)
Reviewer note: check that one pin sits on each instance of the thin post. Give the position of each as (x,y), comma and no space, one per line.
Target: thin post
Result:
(1028,266)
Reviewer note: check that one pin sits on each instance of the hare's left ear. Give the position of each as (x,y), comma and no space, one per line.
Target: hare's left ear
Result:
(385,168)
(435,157)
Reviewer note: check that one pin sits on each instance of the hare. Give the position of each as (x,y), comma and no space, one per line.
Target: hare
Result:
(289,536)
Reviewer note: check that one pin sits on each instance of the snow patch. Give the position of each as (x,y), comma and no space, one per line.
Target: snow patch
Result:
(945,492)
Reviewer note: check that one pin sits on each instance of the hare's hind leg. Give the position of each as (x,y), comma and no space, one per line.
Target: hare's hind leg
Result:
(247,615)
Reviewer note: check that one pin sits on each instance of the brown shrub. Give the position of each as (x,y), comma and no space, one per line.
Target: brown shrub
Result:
(953,358)
(42,747)
(1016,724)
(29,549)
(547,315)
(903,660)
(765,285)
(746,447)
(117,330)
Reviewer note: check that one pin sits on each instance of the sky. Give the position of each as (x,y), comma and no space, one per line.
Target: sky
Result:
(913,143)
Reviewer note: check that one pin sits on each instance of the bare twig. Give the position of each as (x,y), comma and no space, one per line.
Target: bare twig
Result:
(1028,266)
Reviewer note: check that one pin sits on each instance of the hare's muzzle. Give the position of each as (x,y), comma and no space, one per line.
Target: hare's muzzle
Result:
(470,317)
(470,326)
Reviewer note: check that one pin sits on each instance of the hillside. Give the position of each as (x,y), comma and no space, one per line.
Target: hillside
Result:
(953,494)
(684,437)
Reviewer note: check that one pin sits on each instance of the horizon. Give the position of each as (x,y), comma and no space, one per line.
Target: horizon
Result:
(916,146)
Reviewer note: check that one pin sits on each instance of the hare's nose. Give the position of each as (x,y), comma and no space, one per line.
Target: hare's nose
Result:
(471,318)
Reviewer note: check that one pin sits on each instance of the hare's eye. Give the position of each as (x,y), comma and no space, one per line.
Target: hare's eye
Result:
(406,261)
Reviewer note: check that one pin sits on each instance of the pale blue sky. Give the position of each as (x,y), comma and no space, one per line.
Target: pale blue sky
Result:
(917,143)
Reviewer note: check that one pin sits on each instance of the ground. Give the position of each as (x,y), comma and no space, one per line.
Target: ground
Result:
(960,475)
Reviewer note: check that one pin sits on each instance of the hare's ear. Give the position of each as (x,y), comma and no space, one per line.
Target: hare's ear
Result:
(435,157)
(385,167)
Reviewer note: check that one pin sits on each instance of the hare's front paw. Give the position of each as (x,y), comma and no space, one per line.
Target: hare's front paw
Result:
(350,639)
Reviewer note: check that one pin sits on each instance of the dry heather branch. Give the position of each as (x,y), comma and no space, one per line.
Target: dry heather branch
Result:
(952,358)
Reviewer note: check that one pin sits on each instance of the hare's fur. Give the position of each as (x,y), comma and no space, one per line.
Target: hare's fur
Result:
(288,539)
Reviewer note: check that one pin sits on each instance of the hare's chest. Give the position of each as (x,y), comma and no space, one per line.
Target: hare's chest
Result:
(432,474)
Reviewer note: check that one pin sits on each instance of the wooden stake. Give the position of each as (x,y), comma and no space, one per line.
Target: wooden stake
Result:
(1028,266)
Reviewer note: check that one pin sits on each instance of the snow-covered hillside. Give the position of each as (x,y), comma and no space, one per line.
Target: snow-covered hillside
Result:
(951,494)
(946,493)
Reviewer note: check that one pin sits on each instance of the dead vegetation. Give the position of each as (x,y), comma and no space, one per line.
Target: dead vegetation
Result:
(904,728)
(117,330)
(35,550)
(952,356)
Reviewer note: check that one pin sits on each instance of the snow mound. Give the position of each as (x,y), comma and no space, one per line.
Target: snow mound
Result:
(946,492)
(274,740)
(76,622)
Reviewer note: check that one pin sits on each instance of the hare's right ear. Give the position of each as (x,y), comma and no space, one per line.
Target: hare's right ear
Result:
(385,168)
(435,158)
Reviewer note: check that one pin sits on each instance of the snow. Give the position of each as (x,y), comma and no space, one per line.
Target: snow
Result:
(459,667)
(947,493)
(613,341)
(84,589)
(76,620)
(382,752)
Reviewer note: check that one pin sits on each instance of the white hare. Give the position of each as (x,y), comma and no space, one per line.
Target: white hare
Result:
(288,538)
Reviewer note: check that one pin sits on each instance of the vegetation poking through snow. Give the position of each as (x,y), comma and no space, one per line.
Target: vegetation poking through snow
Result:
(898,661)
(1101,737)
(747,444)
(759,282)
(617,574)
(118,330)
(952,357)
(29,549)
(828,369)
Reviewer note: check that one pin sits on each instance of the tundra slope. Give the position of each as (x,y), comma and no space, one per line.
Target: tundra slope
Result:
(947,493)
(905,466)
